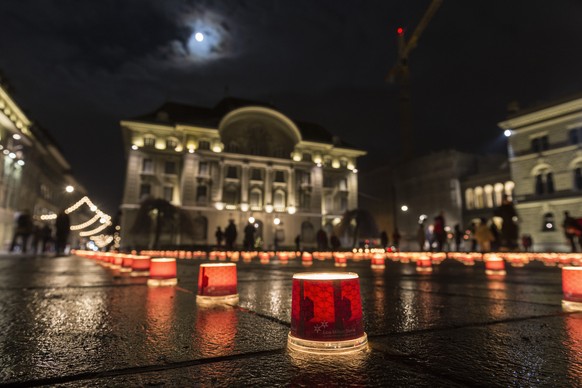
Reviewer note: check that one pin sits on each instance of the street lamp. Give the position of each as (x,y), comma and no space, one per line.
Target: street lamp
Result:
(69,189)
(404,208)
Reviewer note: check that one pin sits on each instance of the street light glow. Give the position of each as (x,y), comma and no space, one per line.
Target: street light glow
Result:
(69,189)
(507,132)
(404,208)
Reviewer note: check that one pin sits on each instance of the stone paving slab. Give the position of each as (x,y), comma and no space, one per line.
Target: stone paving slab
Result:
(71,321)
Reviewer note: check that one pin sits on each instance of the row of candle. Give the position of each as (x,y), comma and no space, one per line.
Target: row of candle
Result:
(326,311)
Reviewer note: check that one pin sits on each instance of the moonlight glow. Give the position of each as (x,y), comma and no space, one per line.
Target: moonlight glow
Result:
(207,40)
(199,37)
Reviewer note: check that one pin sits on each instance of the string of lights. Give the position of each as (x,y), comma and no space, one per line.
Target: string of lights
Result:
(96,230)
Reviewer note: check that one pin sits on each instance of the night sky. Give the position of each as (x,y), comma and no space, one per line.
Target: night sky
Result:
(79,67)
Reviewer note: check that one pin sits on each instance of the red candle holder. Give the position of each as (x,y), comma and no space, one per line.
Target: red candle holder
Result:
(140,266)
(163,272)
(377,261)
(340,260)
(126,263)
(217,283)
(283,257)
(494,266)
(572,287)
(264,258)
(424,264)
(307,259)
(326,313)
(117,261)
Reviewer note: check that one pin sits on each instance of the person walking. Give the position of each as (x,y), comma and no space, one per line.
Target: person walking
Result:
(440,235)
(571,230)
(219,237)
(23,229)
(509,229)
(396,238)
(483,236)
(458,235)
(230,234)
(63,228)
(384,239)
(249,238)
(298,243)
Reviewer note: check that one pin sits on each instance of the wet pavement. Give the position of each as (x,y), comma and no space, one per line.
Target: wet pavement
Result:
(71,322)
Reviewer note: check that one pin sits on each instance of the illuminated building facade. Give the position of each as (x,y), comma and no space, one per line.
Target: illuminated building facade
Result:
(545,155)
(237,160)
(33,171)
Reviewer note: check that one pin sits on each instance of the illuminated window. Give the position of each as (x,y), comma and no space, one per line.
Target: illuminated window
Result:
(549,224)
(204,145)
(479,203)
(488,196)
(171,143)
(256,198)
(279,199)
(498,193)
(343,184)
(469,199)
(149,141)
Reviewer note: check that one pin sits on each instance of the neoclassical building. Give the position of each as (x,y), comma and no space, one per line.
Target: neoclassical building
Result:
(239,160)
(545,154)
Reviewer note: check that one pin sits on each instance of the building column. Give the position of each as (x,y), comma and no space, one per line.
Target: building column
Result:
(269,186)
(244,184)
(291,188)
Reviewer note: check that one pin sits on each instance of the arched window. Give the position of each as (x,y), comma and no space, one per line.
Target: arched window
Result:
(307,232)
(488,196)
(479,198)
(539,184)
(549,224)
(544,179)
(469,199)
(256,198)
(200,226)
(279,199)
(509,186)
(550,183)
(498,194)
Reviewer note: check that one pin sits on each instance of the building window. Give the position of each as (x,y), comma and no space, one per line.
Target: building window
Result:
(488,196)
(202,194)
(343,203)
(280,176)
(327,182)
(171,143)
(578,178)
(170,167)
(204,145)
(539,184)
(149,141)
(256,198)
(549,224)
(279,199)
(343,184)
(203,168)
(145,190)
(256,174)
(305,200)
(575,135)
(168,193)
(232,172)
(304,177)
(479,198)
(469,199)
(550,183)
(539,144)
(230,195)
(147,166)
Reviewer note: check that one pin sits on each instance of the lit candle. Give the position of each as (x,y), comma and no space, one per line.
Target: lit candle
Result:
(307,259)
(572,287)
(377,261)
(163,272)
(326,313)
(126,264)
(140,266)
(494,265)
(424,264)
(340,260)
(217,283)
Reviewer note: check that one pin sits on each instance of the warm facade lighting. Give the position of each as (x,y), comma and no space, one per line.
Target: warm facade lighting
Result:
(219,205)
(217,283)
(163,272)
(291,210)
(326,313)
(572,288)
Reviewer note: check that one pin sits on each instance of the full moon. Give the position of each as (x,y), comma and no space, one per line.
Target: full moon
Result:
(199,36)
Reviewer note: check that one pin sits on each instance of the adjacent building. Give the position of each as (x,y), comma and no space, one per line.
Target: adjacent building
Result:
(545,155)
(239,160)
(33,171)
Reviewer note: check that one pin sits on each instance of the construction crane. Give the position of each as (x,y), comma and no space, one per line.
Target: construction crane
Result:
(401,73)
